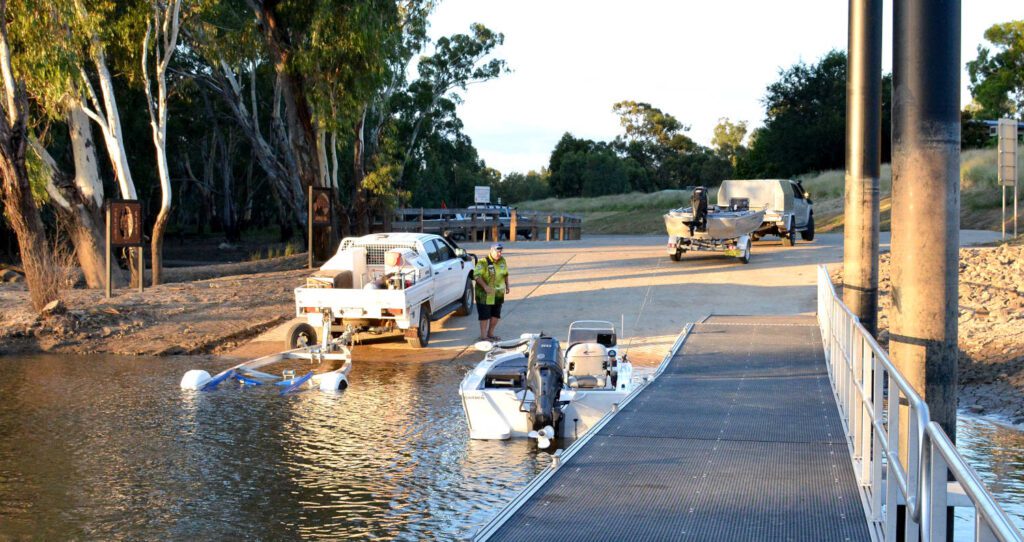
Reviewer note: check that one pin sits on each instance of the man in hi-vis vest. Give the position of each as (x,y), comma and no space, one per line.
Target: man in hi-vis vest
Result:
(491,276)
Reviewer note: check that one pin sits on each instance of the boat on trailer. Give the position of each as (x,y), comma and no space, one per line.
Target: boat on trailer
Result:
(531,388)
(324,366)
(701,227)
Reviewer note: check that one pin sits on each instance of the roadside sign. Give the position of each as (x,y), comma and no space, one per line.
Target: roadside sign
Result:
(1006,164)
(481,194)
(1007,152)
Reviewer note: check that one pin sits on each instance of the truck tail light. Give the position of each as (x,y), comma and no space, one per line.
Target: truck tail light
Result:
(309,309)
(394,312)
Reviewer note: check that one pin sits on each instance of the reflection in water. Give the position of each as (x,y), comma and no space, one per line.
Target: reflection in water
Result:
(102,447)
(997,454)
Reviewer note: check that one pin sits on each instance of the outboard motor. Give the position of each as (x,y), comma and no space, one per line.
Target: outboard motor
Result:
(544,380)
(699,203)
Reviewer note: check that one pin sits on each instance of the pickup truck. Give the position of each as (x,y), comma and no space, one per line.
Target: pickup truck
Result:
(788,207)
(382,283)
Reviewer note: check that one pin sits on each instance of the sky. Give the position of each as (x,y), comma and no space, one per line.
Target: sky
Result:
(571,60)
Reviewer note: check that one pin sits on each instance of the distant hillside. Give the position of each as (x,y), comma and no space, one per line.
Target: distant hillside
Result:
(636,213)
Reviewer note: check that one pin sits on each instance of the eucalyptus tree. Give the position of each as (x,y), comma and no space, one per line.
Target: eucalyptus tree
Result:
(457,62)
(376,115)
(19,205)
(161,38)
(327,54)
(49,57)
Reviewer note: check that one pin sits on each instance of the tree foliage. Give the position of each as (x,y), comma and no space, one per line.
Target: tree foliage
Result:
(805,121)
(997,75)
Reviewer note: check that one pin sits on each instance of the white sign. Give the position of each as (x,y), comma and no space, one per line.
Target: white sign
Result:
(1007,151)
(481,194)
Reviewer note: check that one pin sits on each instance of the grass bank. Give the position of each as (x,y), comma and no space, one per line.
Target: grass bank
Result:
(980,194)
(638,213)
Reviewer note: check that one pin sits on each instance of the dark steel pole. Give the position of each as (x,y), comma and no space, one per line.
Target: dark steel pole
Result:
(863,152)
(926,200)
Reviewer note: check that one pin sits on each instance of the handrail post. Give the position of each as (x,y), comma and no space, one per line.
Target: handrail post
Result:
(549,228)
(513,223)
(561,227)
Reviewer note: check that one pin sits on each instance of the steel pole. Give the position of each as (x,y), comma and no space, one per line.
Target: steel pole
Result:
(926,200)
(863,157)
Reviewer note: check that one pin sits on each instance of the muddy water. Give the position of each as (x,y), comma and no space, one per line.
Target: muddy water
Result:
(111,448)
(996,453)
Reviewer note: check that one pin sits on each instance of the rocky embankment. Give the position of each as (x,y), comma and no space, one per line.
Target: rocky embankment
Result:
(991,328)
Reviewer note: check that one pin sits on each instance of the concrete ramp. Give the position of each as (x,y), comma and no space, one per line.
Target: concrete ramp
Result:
(738,439)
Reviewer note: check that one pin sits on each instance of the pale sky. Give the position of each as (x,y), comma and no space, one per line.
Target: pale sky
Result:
(698,61)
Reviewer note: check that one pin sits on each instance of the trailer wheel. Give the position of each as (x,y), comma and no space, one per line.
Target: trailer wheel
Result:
(299,335)
(421,337)
(808,234)
(745,258)
(466,306)
(791,232)
(676,256)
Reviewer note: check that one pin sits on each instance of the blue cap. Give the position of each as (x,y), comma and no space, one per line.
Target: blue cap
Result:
(497,246)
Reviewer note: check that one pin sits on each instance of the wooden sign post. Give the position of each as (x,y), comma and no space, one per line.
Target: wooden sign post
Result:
(124,230)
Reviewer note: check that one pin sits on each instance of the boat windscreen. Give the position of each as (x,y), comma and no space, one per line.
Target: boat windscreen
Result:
(604,337)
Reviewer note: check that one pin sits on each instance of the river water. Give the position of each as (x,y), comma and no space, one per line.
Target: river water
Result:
(110,448)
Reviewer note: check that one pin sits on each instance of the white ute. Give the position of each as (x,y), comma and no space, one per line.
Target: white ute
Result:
(385,282)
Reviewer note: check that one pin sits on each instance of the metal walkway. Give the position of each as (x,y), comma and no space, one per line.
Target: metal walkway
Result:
(739,438)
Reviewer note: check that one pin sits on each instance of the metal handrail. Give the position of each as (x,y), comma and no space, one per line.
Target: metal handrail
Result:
(888,469)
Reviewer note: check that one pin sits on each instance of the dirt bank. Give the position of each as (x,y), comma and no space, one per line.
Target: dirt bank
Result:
(208,315)
(991,328)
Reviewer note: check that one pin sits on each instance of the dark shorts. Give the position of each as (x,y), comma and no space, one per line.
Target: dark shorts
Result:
(486,312)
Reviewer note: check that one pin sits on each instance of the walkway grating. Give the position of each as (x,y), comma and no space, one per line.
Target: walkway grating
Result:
(738,439)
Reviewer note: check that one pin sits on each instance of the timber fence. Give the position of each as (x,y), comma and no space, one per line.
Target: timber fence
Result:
(488,224)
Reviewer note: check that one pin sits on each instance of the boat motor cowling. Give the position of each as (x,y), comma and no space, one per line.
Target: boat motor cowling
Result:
(544,381)
(699,203)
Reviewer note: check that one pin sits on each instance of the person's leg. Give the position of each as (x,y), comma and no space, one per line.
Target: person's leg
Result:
(495,314)
(484,315)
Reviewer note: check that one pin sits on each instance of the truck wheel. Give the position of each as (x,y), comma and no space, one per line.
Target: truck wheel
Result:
(791,232)
(467,300)
(676,256)
(422,336)
(299,335)
(808,234)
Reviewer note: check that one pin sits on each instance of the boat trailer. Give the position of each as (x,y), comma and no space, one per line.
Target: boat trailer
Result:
(335,353)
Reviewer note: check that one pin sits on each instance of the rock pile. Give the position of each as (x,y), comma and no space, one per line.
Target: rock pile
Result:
(991,328)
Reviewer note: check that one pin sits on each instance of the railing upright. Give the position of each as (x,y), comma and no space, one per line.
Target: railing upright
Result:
(875,401)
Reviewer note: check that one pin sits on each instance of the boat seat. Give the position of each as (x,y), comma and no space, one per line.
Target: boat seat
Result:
(587,381)
(587,360)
